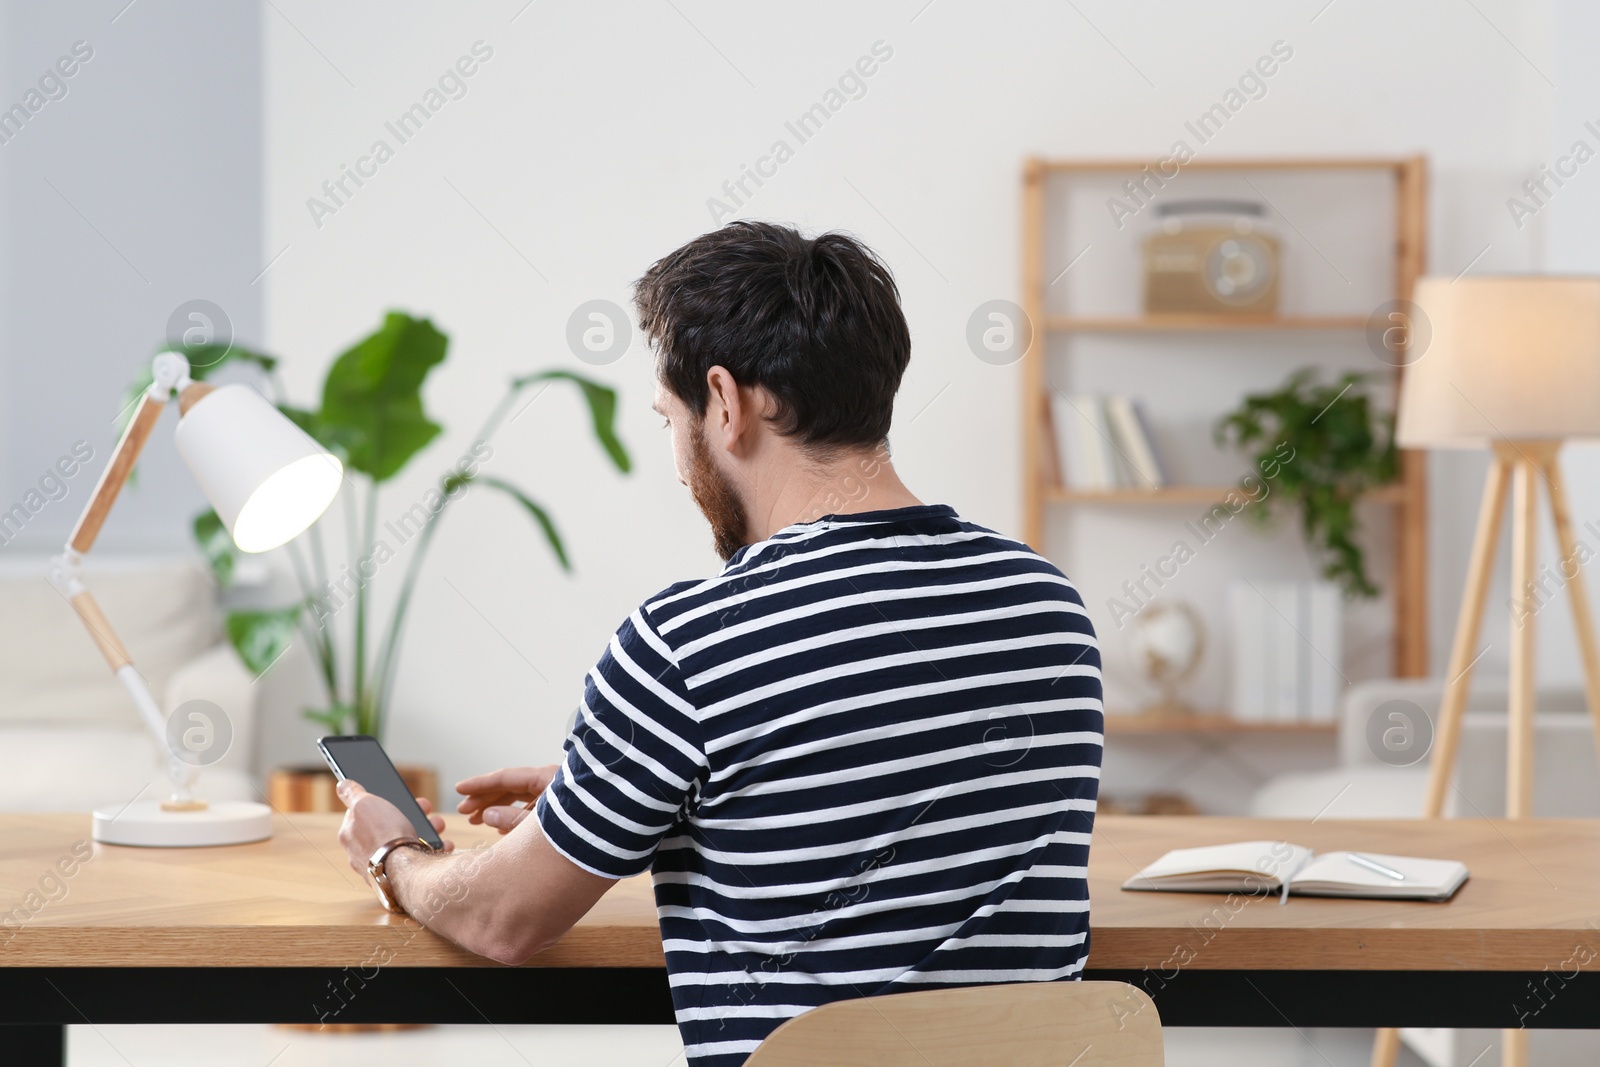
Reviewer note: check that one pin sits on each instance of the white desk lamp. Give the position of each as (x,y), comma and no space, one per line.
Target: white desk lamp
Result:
(268,481)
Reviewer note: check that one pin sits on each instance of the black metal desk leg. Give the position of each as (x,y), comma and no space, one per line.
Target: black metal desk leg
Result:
(34,1046)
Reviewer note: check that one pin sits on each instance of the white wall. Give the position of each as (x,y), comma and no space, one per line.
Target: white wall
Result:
(588,146)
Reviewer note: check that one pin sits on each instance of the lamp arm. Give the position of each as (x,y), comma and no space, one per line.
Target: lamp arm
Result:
(181,773)
(115,476)
(170,372)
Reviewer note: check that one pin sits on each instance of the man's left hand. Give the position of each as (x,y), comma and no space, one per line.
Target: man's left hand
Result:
(371,821)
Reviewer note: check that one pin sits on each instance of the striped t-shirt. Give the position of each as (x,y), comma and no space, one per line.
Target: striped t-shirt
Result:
(863,759)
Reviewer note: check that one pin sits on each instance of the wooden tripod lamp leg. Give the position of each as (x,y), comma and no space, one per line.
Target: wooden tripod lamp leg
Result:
(1386,1049)
(1463,653)
(1513,1048)
(1469,620)
(1519,727)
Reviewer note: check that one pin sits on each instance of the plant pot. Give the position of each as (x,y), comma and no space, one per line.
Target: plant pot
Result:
(309,787)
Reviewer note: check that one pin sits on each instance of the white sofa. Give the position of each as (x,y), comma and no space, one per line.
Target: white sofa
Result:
(70,740)
(1567,771)
(1566,785)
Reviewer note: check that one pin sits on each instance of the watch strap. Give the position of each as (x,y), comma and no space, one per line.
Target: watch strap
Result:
(378,870)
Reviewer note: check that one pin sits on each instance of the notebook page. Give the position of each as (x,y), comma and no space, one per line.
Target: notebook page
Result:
(1337,869)
(1272,859)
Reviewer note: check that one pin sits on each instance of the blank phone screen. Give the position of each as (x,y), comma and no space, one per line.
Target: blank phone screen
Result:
(363,760)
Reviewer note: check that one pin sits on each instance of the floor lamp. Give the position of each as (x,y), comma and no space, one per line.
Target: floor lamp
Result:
(1513,364)
(268,481)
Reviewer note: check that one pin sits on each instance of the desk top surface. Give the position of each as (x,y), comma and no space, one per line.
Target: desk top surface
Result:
(1533,901)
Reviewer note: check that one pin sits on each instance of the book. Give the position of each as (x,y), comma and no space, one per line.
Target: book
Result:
(1104,442)
(1131,433)
(1322,606)
(1070,457)
(1095,435)
(1157,466)
(1269,866)
(1248,613)
(1054,459)
(1082,449)
(1287,649)
(1128,476)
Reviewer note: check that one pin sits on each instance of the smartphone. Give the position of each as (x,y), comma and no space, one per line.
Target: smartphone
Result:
(363,760)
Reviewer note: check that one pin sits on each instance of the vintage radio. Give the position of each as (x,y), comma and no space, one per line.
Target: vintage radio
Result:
(1211,257)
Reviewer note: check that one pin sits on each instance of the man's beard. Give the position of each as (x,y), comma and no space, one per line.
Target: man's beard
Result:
(717,498)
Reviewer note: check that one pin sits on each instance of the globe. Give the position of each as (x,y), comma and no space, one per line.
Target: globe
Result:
(1168,640)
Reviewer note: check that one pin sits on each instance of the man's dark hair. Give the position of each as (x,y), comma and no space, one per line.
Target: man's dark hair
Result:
(815,321)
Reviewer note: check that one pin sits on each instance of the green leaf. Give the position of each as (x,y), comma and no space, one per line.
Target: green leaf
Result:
(216,544)
(602,411)
(1341,448)
(260,637)
(539,515)
(372,398)
(309,421)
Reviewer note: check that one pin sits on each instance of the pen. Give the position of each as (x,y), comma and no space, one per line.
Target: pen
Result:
(1373,865)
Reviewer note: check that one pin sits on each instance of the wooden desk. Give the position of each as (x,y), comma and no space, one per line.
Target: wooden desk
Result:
(284,931)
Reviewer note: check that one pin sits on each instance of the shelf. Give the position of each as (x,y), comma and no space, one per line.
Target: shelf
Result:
(1069,166)
(1203,323)
(1206,723)
(1186,494)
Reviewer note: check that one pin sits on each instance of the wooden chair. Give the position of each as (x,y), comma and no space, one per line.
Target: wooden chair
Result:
(1030,1024)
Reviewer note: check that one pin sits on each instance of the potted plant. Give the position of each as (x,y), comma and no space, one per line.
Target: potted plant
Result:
(1342,447)
(371,415)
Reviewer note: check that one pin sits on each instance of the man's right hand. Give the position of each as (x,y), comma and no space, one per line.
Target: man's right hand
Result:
(496,799)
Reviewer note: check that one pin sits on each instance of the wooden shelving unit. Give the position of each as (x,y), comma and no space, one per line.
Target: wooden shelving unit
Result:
(1408,582)
(1182,494)
(1202,323)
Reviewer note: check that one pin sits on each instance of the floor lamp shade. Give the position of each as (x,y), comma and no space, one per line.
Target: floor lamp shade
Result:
(1509,357)
(267,479)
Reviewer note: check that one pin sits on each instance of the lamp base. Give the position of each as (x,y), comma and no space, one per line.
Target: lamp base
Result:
(147,824)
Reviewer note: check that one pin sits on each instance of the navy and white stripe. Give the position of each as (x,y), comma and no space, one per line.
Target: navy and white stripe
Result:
(863,759)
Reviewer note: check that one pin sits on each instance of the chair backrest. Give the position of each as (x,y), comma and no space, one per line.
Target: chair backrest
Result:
(1031,1024)
(1364,699)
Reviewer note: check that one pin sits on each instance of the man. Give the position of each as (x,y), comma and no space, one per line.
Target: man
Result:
(862,759)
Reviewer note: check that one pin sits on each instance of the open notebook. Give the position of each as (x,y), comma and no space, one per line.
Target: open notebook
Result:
(1266,866)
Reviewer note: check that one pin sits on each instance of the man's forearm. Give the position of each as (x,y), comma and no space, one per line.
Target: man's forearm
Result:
(506,902)
(451,895)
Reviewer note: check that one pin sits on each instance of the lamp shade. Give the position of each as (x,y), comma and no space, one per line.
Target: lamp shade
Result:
(267,479)
(1509,358)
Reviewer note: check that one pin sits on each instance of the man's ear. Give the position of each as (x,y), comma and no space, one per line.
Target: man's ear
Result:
(727,410)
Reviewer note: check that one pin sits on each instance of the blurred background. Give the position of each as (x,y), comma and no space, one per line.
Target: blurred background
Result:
(216,167)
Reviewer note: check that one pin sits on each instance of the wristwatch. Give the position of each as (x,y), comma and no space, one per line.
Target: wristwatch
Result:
(380,876)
